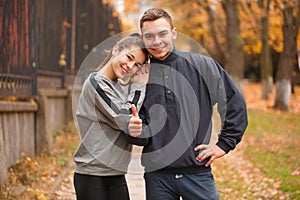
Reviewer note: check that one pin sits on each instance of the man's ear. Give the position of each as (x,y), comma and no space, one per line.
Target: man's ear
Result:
(174,33)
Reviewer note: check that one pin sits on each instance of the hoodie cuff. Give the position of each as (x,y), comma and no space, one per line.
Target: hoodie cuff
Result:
(223,146)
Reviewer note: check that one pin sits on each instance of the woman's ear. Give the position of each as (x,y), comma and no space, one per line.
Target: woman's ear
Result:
(115,50)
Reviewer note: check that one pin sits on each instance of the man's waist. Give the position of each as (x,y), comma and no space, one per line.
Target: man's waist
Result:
(181,170)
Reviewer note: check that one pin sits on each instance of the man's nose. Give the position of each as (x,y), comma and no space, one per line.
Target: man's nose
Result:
(157,39)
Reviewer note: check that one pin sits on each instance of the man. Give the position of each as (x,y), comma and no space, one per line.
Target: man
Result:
(183,87)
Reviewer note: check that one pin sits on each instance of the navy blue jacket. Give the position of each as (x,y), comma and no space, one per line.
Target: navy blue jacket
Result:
(177,112)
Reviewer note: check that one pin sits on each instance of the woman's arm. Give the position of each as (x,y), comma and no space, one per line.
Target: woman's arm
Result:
(110,102)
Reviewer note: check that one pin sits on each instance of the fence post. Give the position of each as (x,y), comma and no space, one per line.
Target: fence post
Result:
(43,137)
(34,82)
(3,163)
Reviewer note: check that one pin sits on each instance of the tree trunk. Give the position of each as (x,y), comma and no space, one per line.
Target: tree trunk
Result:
(235,55)
(265,56)
(285,66)
(220,48)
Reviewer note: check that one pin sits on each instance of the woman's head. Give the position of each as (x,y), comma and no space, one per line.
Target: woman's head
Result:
(125,57)
(132,40)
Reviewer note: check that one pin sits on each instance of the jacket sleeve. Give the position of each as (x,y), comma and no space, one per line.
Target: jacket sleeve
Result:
(115,108)
(235,121)
(231,105)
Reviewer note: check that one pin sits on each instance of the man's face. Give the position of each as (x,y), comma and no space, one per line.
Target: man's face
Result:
(158,37)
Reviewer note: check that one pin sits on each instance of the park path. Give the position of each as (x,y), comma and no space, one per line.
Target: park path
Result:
(255,184)
(64,190)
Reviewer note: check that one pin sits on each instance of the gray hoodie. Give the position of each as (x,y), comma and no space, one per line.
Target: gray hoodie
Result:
(103,113)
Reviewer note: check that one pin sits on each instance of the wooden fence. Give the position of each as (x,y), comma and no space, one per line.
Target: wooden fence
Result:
(36,34)
(42,43)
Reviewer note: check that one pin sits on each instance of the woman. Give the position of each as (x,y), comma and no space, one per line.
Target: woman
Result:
(103,113)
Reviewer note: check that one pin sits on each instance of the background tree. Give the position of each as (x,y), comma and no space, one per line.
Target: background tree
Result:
(234,55)
(291,16)
(214,18)
(244,36)
(207,22)
(265,56)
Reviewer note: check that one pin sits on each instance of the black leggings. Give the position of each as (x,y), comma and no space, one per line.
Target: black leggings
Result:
(90,187)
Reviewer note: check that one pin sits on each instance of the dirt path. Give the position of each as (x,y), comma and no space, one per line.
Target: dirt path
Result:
(64,190)
(233,169)
(255,184)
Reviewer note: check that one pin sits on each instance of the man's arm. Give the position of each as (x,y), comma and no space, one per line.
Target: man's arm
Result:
(232,110)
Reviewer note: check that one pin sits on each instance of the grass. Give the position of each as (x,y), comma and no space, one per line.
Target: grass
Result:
(274,147)
(270,167)
(261,122)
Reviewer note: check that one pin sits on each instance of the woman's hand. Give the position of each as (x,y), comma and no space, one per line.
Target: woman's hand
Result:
(142,74)
(135,123)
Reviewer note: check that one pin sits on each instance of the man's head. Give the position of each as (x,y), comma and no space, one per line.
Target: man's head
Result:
(158,32)
(153,14)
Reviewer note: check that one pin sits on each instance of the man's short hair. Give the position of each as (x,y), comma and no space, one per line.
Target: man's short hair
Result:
(153,14)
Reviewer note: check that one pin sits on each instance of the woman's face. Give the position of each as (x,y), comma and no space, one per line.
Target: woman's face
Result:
(127,61)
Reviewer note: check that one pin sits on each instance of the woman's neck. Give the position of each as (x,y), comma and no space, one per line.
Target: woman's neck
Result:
(109,72)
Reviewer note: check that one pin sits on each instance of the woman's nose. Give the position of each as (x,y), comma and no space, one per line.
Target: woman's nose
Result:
(130,64)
